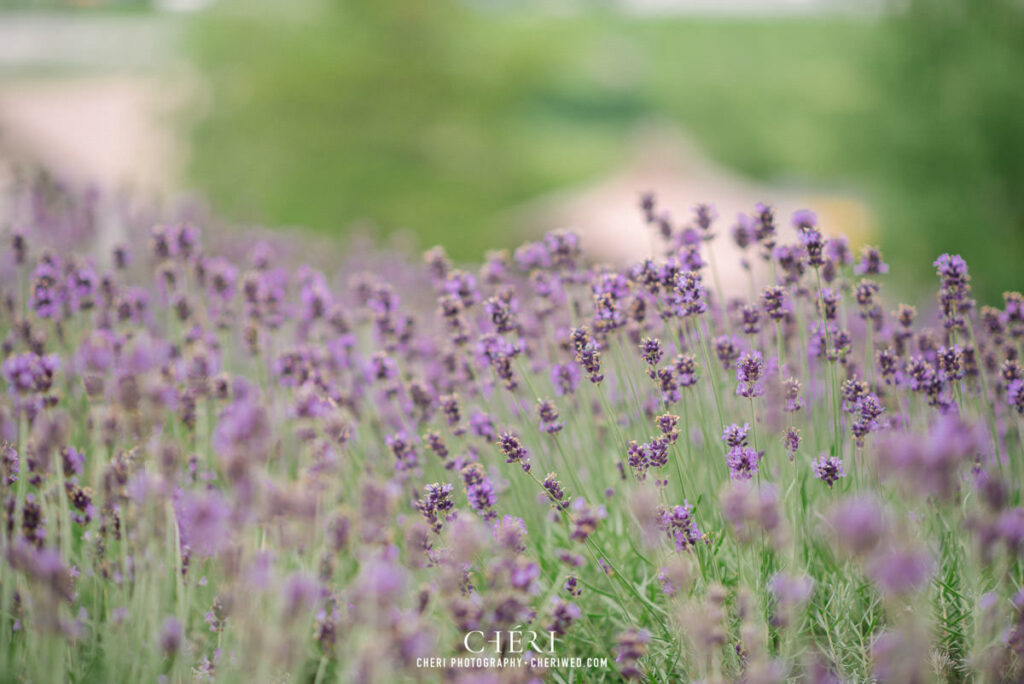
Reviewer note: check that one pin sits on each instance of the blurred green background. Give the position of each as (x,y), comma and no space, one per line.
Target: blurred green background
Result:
(440,115)
(444,116)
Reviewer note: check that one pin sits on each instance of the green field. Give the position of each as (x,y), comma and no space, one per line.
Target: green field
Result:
(441,119)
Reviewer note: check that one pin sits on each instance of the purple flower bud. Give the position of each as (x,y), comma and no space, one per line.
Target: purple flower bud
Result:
(514,450)
(828,469)
(749,371)
(170,636)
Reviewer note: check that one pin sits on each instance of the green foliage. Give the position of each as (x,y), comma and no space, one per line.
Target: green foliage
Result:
(950,75)
(403,113)
(443,119)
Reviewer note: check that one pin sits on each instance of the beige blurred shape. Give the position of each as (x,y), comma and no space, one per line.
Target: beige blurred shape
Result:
(113,132)
(664,161)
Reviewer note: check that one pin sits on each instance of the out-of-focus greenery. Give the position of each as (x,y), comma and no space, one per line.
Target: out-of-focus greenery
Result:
(948,160)
(441,118)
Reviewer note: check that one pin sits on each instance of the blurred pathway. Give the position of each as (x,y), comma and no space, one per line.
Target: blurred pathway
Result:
(91,97)
(112,131)
(665,162)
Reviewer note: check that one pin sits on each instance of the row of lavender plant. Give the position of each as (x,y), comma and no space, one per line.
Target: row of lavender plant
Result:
(232,469)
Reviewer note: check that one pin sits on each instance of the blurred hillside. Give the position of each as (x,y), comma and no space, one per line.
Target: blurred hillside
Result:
(475,123)
(443,117)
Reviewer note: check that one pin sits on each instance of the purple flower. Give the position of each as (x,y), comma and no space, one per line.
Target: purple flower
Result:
(868,410)
(736,436)
(668,385)
(563,615)
(437,505)
(743,231)
(555,491)
(170,636)
(481,425)
(243,433)
(500,311)
(631,646)
(898,571)
(828,303)
(742,462)
(404,451)
(792,259)
(811,240)
(749,371)
(791,441)
(828,469)
(510,534)
(791,590)
(479,491)
(564,248)
(858,525)
(72,460)
(791,392)
(565,378)
(774,301)
(689,297)
(301,592)
(650,350)
(932,464)
(587,353)
(42,566)
(514,450)
(704,215)
(725,350)
(764,225)
(804,218)
(678,523)
(871,262)
(30,373)
(204,521)
(548,414)
(750,319)
(1015,396)
(585,519)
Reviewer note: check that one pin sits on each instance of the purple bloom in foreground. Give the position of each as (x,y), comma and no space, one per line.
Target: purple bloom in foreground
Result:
(791,590)
(899,571)
(631,646)
(742,462)
(170,636)
(858,524)
(30,373)
(510,534)
(563,614)
(204,521)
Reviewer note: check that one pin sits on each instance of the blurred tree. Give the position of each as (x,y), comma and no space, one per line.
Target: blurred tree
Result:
(952,123)
(402,112)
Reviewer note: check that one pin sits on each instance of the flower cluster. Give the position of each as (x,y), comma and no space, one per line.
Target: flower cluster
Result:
(246,457)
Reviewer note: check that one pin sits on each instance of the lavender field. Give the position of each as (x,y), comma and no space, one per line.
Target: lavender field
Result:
(220,463)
